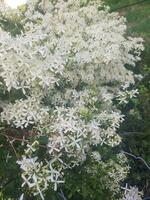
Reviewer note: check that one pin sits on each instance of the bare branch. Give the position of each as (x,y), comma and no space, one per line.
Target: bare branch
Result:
(137,158)
(61,194)
(12,146)
(18,139)
(130,5)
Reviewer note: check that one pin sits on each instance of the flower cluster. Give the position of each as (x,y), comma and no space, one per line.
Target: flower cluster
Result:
(24,113)
(68,63)
(117,172)
(132,193)
(37,175)
(125,94)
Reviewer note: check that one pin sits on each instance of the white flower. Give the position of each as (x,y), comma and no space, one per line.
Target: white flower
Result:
(37,176)
(21,197)
(96,155)
(132,193)
(125,94)
(67,66)
(24,113)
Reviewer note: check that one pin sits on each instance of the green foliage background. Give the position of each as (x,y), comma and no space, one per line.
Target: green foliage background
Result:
(136,128)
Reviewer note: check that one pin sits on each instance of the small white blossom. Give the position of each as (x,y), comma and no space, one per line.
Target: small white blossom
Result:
(125,94)
(132,193)
(24,113)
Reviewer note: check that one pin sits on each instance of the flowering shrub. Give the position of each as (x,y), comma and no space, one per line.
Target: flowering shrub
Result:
(65,70)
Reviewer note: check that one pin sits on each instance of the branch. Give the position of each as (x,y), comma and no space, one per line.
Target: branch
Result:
(61,194)
(131,133)
(137,158)
(18,139)
(129,5)
(8,182)
(12,146)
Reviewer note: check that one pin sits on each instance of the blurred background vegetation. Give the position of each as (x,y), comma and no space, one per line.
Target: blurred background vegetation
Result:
(136,128)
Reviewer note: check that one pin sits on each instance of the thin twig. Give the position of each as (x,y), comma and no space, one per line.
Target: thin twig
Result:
(13,138)
(61,194)
(19,139)
(12,146)
(131,133)
(8,182)
(137,158)
(130,5)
